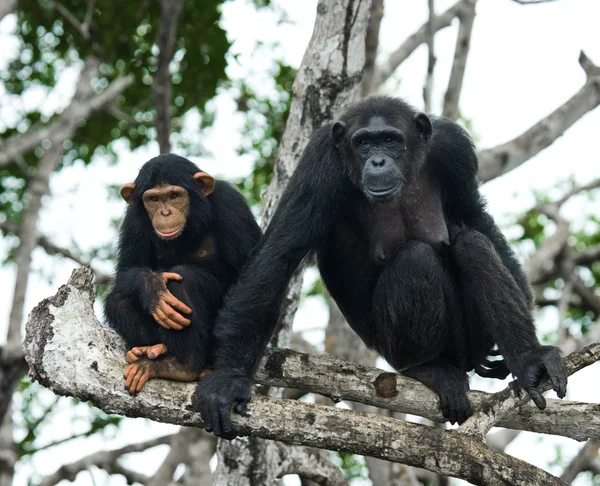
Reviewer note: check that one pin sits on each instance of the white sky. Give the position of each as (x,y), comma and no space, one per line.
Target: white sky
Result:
(522,65)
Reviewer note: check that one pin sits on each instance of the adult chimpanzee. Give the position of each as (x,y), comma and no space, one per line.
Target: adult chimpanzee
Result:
(389,201)
(182,244)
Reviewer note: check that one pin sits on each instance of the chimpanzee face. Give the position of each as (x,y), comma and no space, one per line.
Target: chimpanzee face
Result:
(379,149)
(168,205)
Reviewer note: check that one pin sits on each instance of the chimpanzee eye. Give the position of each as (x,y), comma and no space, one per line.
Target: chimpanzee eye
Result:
(154,198)
(389,140)
(363,142)
(174,195)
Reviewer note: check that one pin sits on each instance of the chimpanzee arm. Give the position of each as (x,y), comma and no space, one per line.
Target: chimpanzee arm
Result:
(248,318)
(134,276)
(453,149)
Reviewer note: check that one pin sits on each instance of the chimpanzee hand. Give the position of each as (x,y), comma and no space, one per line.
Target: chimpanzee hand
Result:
(168,310)
(531,366)
(216,393)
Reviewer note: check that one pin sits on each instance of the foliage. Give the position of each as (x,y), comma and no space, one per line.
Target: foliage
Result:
(124,39)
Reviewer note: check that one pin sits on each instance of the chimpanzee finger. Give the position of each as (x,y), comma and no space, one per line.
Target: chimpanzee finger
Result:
(537,397)
(170,276)
(159,318)
(126,372)
(135,381)
(445,406)
(215,421)
(241,404)
(143,379)
(228,431)
(173,315)
(558,376)
(167,321)
(177,304)
(130,375)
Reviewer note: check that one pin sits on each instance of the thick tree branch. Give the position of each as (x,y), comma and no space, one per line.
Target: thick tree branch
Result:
(371,46)
(461,52)
(170,10)
(68,351)
(499,160)
(582,461)
(309,463)
(19,145)
(386,69)
(71,353)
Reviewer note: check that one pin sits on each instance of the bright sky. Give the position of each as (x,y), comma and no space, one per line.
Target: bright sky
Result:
(522,65)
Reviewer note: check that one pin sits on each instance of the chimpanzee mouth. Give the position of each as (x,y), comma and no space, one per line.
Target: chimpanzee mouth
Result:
(169,235)
(381,193)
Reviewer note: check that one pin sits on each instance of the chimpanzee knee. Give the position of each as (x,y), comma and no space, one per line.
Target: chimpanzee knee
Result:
(409,306)
(130,321)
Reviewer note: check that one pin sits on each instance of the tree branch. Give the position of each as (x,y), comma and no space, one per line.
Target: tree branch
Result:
(428,88)
(71,353)
(461,52)
(52,249)
(582,461)
(386,69)
(309,463)
(106,460)
(371,46)
(170,10)
(499,160)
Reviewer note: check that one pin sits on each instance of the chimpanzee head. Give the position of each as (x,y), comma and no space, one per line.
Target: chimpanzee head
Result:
(172,192)
(383,142)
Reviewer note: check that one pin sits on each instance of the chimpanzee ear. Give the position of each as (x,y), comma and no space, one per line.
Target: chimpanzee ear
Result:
(338,130)
(423,124)
(127,192)
(206,181)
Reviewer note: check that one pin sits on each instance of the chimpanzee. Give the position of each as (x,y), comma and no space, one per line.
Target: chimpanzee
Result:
(182,243)
(389,201)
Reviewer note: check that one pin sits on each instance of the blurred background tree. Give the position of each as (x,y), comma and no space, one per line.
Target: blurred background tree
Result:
(91,89)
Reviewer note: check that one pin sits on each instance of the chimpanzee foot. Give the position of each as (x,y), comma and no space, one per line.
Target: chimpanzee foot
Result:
(151,352)
(451,384)
(167,367)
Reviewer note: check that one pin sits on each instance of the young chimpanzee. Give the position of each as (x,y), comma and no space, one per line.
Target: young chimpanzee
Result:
(389,201)
(182,243)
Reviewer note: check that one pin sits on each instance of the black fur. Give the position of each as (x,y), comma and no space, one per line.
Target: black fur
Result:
(223,214)
(420,271)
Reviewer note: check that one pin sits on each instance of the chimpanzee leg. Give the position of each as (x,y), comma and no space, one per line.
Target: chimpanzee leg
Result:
(201,291)
(408,307)
(497,309)
(418,325)
(450,383)
(126,316)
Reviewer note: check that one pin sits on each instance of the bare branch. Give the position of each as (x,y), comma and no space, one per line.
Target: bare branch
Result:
(582,461)
(499,405)
(371,46)
(386,69)
(428,88)
(106,460)
(87,372)
(53,249)
(19,145)
(499,160)
(461,53)
(170,10)
(309,463)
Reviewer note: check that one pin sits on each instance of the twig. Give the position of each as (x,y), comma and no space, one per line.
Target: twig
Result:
(428,88)
(461,53)
(386,69)
(371,46)
(170,11)
(501,159)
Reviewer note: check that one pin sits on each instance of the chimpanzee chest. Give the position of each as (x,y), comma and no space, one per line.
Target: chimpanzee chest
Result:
(416,215)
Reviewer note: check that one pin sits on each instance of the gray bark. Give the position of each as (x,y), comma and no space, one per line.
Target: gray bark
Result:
(71,353)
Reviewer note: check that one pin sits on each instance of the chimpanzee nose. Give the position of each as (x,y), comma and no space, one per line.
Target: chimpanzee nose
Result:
(378,161)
